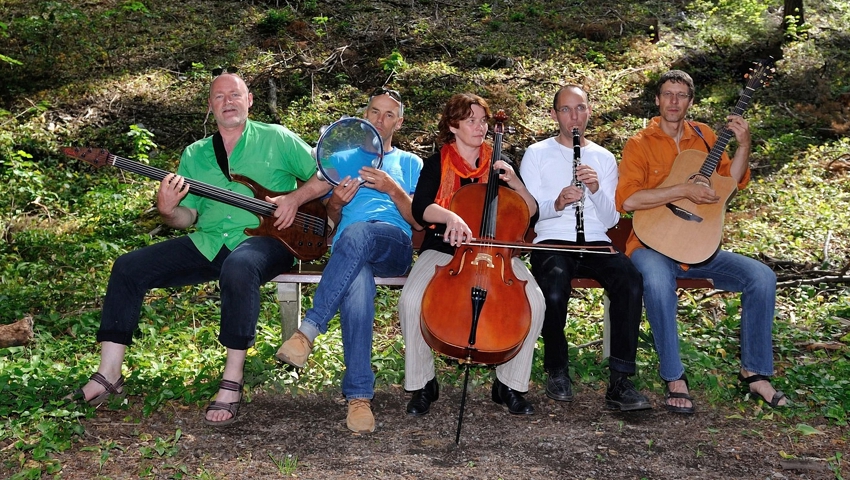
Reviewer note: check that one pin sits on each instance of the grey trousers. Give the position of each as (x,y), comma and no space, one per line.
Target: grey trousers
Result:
(418,357)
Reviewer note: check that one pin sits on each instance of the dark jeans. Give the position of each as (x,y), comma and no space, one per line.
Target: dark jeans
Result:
(177,263)
(554,270)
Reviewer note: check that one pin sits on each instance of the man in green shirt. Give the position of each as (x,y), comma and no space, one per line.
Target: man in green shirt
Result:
(218,249)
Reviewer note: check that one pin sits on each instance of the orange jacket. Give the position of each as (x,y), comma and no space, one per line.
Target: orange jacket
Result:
(648,159)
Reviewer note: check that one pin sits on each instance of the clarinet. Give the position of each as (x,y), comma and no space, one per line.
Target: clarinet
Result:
(577,183)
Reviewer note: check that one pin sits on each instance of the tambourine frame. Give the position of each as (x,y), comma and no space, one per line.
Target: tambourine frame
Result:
(327,134)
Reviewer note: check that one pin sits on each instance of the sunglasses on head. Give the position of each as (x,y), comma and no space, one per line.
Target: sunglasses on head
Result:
(219,70)
(386,91)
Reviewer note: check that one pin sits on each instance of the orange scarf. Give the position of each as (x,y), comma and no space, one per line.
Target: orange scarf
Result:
(454,167)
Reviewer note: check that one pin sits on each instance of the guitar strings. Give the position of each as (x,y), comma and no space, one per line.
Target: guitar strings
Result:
(255,205)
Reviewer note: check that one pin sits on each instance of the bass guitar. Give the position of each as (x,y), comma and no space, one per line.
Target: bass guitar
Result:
(683,230)
(306,238)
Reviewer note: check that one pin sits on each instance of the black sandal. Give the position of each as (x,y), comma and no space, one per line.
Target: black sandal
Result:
(746,386)
(232,407)
(674,409)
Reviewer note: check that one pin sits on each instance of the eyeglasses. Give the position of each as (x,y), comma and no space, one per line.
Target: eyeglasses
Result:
(578,109)
(219,70)
(386,91)
(679,96)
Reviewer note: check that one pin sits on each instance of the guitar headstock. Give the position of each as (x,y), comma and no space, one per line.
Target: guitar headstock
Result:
(95,156)
(761,73)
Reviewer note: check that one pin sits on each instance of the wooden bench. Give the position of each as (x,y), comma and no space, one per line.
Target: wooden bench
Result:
(289,284)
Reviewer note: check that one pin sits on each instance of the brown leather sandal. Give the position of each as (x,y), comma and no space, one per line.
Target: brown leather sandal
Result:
(232,407)
(112,392)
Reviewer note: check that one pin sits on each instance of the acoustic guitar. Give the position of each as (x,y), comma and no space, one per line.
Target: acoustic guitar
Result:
(685,231)
(306,238)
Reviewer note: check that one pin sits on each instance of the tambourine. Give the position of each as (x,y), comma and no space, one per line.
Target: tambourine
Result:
(345,147)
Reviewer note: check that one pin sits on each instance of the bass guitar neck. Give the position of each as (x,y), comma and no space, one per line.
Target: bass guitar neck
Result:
(306,238)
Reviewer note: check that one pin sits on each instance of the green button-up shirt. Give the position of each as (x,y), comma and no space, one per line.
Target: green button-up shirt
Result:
(270,155)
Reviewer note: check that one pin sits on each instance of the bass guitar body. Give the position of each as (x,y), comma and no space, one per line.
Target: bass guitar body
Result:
(683,230)
(306,238)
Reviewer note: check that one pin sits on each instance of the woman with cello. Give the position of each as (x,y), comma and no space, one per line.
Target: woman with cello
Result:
(464,159)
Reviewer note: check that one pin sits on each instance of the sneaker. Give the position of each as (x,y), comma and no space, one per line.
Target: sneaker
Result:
(623,396)
(360,418)
(559,386)
(295,350)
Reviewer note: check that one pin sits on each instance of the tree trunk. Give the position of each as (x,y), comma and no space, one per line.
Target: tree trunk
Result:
(792,8)
(16,334)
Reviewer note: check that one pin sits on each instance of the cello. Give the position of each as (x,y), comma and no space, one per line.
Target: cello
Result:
(489,324)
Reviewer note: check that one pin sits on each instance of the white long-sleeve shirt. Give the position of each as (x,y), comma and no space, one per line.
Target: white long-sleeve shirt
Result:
(547,167)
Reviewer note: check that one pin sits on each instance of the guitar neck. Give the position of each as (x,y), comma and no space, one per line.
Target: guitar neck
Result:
(201,189)
(713,158)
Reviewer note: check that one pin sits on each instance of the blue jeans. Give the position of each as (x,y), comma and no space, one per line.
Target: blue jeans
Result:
(176,263)
(731,272)
(364,250)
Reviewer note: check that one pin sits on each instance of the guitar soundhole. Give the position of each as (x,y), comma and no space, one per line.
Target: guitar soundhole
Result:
(700,179)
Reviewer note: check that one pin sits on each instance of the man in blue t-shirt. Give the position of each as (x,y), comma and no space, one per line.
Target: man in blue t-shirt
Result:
(373,238)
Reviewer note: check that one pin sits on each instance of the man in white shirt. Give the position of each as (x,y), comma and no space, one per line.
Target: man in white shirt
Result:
(580,214)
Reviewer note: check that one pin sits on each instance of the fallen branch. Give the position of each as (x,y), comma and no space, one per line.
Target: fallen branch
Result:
(830,279)
(590,343)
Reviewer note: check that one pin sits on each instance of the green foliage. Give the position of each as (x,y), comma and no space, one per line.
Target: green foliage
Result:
(286,466)
(275,21)
(134,6)
(394,62)
(9,60)
(63,224)
(795,30)
(321,23)
(728,23)
(141,141)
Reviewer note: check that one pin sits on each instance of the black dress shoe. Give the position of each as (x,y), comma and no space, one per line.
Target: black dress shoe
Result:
(420,404)
(623,396)
(559,386)
(504,395)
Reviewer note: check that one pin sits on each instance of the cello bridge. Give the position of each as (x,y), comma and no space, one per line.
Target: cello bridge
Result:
(483,257)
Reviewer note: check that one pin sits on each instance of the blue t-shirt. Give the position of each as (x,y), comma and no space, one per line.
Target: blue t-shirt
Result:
(369,204)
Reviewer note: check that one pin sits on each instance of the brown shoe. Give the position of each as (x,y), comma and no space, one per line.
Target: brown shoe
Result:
(360,418)
(295,350)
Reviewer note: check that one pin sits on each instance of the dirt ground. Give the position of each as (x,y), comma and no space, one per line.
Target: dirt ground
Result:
(577,440)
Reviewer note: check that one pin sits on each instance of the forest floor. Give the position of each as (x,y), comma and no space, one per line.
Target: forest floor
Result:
(305,436)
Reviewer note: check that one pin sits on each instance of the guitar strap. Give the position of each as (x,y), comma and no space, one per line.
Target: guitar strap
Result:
(221,155)
(696,128)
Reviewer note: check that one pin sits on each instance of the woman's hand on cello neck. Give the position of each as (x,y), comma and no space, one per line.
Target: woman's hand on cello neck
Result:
(509,176)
